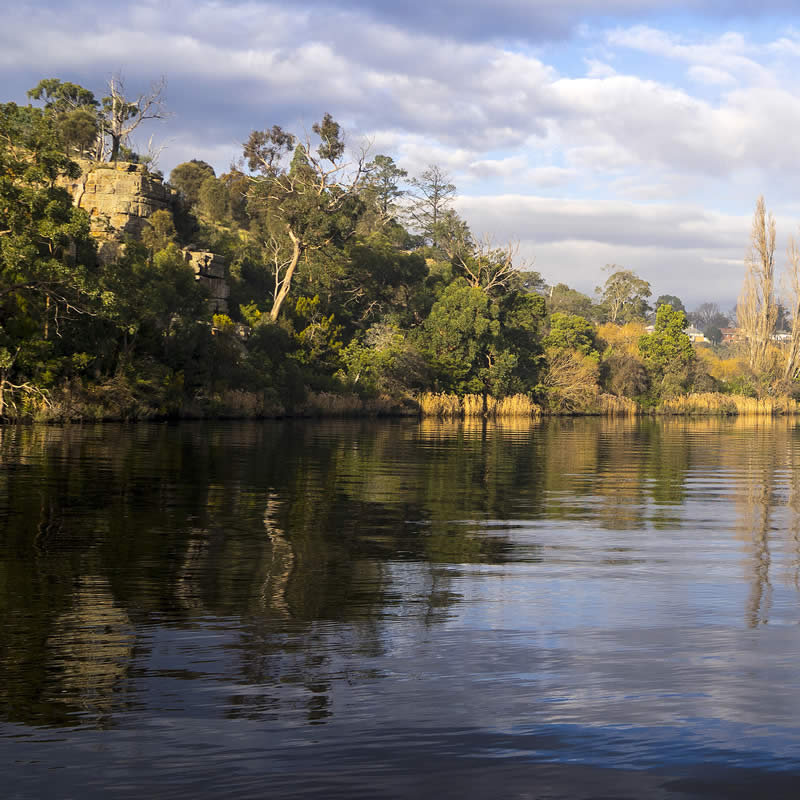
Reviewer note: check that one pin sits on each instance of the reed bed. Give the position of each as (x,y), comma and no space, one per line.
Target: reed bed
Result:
(472,405)
(714,403)
(609,405)
(432,404)
(517,405)
(328,404)
(447,406)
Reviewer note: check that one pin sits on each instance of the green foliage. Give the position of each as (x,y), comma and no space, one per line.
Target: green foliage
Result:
(713,334)
(458,336)
(62,96)
(625,376)
(382,188)
(318,335)
(303,207)
(453,236)
(668,352)
(160,231)
(379,363)
(379,310)
(433,194)
(669,300)
(78,130)
(331,147)
(572,332)
(223,323)
(570,301)
(213,200)
(188,177)
(149,300)
(476,344)
(624,296)
(48,281)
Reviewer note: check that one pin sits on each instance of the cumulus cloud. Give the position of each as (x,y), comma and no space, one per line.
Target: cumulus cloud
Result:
(729,53)
(681,249)
(475,91)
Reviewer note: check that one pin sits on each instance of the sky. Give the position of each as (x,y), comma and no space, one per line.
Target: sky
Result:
(638,133)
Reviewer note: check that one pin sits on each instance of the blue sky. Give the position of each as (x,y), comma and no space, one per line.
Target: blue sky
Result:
(635,132)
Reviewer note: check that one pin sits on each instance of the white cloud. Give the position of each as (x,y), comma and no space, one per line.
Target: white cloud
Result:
(729,53)
(710,75)
(482,108)
(548,177)
(598,69)
(682,250)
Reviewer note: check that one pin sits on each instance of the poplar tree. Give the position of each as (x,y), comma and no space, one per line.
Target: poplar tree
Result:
(757,311)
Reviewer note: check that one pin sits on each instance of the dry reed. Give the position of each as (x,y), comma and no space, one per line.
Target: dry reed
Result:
(517,405)
(432,404)
(472,405)
(476,405)
(327,404)
(610,405)
(714,403)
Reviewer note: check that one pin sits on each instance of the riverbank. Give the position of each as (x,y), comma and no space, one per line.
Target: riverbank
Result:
(114,403)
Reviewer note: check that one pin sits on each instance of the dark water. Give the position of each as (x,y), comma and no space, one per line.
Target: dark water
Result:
(374,610)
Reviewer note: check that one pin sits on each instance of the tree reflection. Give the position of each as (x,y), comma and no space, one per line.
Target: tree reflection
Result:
(306,538)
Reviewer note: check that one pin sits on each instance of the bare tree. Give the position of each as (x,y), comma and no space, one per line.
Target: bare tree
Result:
(793,356)
(570,379)
(757,310)
(488,267)
(121,116)
(707,315)
(9,391)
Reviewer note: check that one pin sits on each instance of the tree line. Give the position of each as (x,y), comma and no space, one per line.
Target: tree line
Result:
(347,277)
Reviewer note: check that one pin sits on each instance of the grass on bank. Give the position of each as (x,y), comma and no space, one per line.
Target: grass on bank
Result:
(448,406)
(714,403)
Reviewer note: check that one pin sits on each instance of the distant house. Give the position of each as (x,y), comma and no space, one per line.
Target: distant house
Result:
(695,335)
(781,337)
(731,335)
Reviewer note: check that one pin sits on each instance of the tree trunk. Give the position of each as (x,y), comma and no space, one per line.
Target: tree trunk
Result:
(286,283)
(793,356)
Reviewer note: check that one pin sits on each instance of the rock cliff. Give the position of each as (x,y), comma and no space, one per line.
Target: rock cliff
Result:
(119,197)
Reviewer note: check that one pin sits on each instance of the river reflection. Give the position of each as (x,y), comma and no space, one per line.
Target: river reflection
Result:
(401,608)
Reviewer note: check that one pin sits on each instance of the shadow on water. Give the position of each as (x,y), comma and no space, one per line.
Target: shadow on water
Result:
(296,574)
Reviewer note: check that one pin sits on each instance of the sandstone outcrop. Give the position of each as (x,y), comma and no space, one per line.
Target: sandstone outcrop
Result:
(210,269)
(119,198)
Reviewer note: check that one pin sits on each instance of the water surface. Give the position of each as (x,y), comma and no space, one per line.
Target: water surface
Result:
(577,608)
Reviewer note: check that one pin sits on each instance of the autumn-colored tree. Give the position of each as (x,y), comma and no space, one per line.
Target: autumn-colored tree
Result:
(757,311)
(792,369)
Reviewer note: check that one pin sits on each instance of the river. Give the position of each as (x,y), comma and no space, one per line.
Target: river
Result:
(388,609)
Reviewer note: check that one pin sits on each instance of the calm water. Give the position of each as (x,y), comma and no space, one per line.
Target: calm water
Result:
(400,609)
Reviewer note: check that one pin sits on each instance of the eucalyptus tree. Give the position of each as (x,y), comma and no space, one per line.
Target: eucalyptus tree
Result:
(624,295)
(76,111)
(47,276)
(303,203)
(122,115)
(188,177)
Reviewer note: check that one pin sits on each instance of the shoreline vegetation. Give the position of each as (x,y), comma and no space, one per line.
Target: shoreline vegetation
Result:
(314,279)
(243,405)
